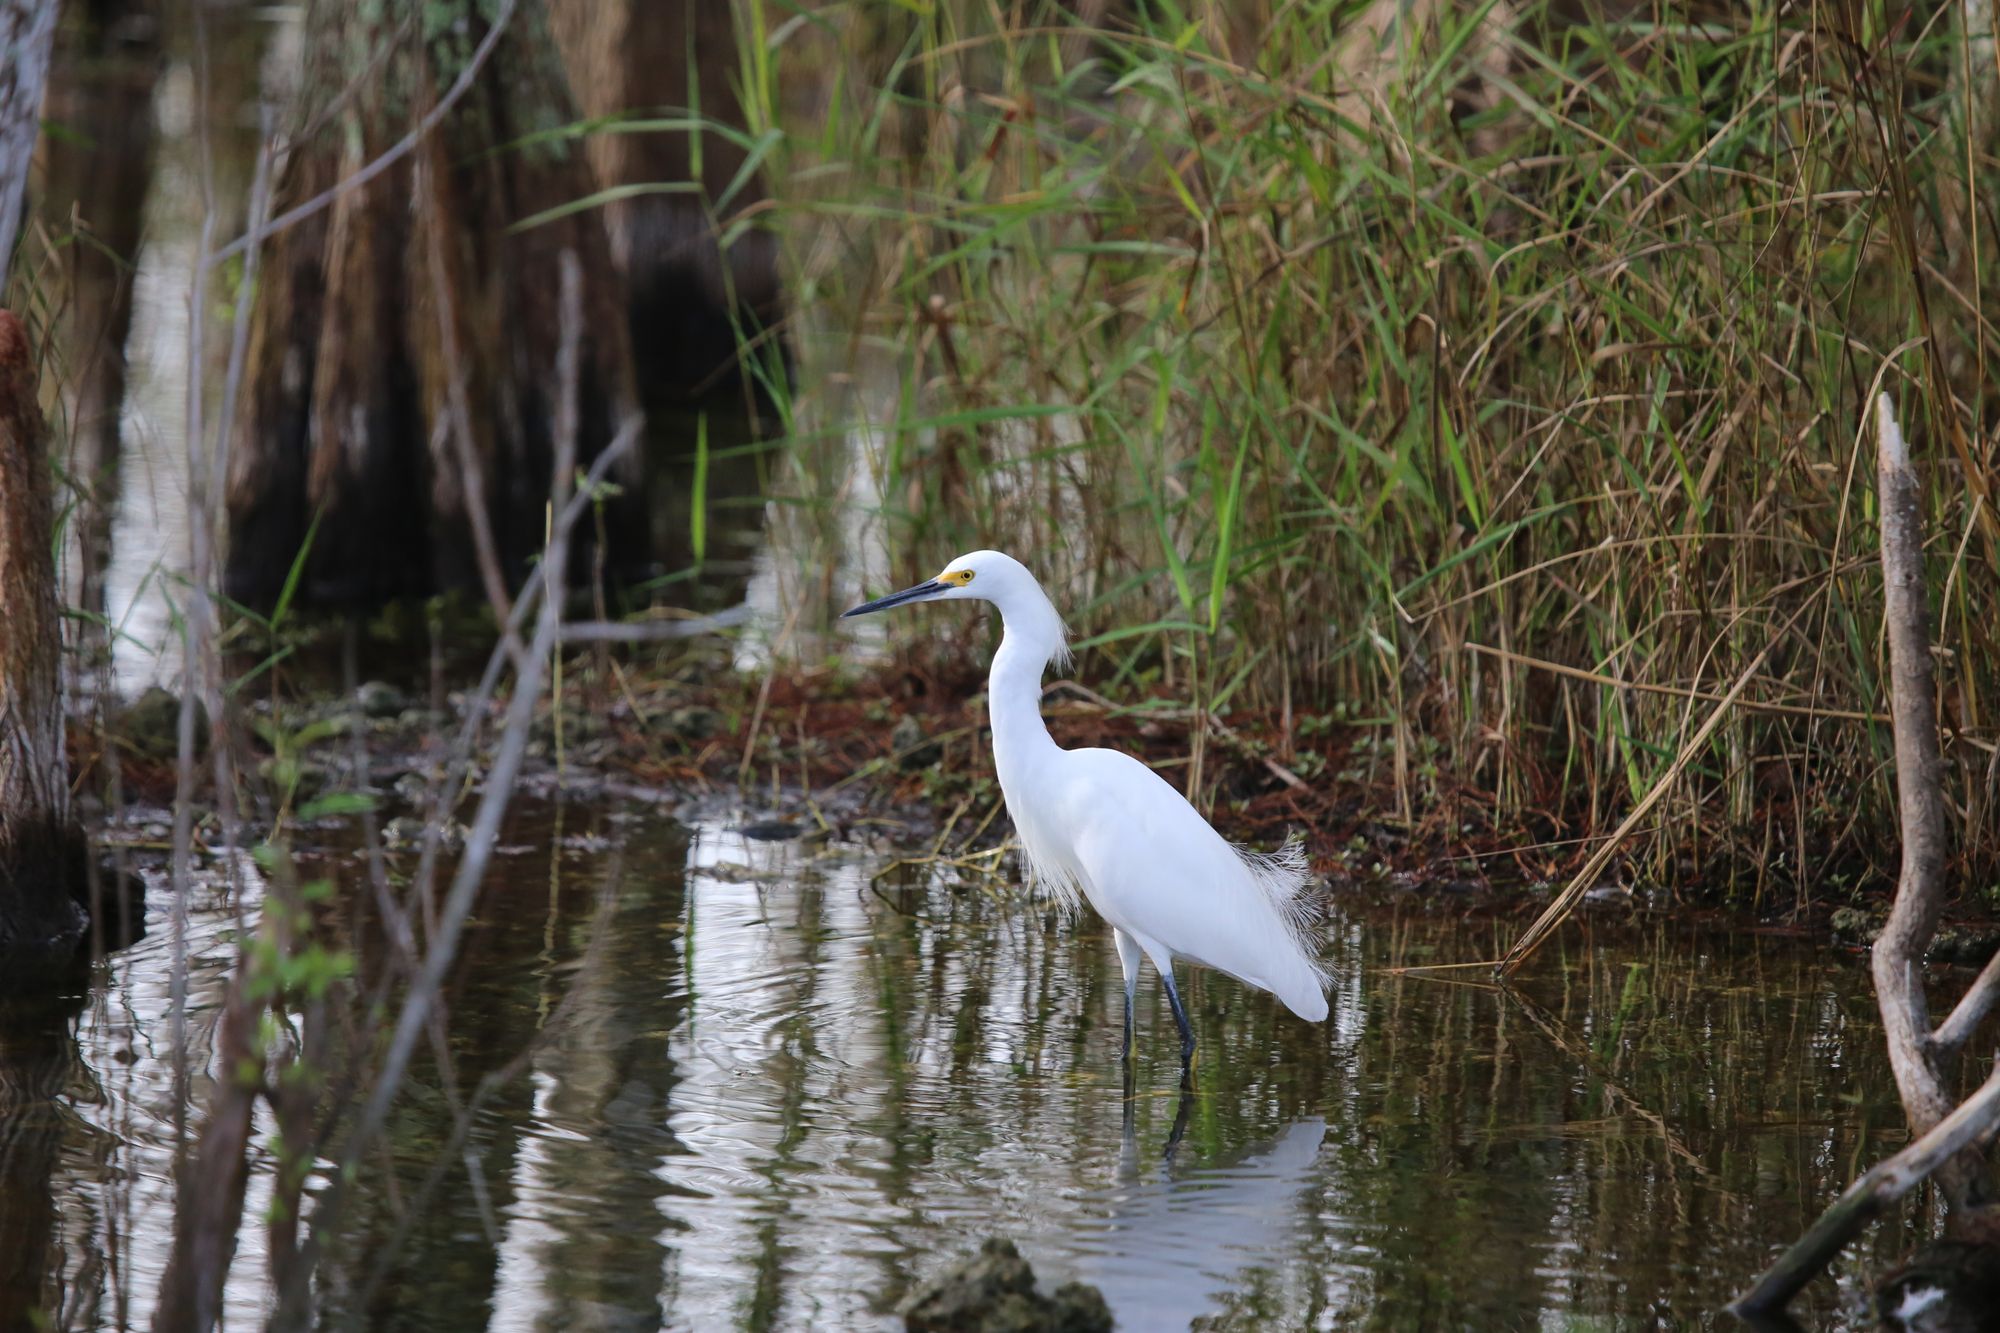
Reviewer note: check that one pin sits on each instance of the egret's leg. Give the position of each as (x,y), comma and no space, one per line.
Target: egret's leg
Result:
(1181,1019)
(1128,960)
(1180,1122)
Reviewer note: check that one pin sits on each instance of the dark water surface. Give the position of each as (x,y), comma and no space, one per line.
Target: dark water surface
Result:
(755,1088)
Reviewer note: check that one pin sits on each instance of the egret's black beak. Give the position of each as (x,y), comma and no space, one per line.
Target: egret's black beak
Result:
(928,588)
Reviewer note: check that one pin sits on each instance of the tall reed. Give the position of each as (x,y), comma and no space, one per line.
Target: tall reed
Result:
(1348,370)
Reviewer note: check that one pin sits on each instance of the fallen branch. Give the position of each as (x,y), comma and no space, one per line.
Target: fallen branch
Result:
(1867,1197)
(1971,1011)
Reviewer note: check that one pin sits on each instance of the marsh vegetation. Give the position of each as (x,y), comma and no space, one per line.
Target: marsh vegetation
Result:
(1445,426)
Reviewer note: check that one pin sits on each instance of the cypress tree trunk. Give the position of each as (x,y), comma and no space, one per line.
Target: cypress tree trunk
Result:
(93,176)
(401,380)
(27,33)
(41,848)
(695,305)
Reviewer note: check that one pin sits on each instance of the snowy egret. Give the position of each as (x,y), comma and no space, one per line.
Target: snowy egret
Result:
(1100,824)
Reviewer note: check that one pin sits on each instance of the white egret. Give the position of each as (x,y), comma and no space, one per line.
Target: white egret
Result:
(1103,825)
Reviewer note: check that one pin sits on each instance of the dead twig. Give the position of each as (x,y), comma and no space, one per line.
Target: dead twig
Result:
(1566,901)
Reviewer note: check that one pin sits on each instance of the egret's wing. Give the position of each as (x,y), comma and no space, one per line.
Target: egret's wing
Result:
(1156,868)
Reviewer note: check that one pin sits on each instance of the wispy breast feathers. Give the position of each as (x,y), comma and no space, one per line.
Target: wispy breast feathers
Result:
(1043,626)
(1049,873)
(1060,657)
(1284,877)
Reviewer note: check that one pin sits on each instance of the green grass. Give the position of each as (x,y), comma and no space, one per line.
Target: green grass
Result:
(1322,364)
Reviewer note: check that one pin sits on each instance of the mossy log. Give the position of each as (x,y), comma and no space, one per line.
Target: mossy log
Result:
(401,385)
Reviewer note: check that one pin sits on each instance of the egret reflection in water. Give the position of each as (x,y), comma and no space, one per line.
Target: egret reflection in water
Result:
(1172,1245)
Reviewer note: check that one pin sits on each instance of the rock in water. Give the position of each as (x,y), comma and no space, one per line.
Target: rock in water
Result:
(994,1292)
(380,700)
(771,830)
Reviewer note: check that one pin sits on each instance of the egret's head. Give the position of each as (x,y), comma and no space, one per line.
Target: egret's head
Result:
(989,576)
(983,575)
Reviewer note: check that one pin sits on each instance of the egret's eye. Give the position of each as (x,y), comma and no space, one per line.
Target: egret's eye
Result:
(958,578)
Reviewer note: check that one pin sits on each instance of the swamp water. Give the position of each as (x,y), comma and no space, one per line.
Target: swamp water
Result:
(763,1084)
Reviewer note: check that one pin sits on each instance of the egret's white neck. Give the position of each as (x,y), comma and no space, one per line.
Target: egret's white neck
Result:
(1034,635)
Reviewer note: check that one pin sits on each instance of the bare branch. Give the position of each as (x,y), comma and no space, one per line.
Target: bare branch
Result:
(499,788)
(479,842)
(1867,1197)
(570,502)
(655,631)
(1963,1021)
(1899,952)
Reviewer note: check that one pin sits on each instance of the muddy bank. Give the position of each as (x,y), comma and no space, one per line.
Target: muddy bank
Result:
(899,756)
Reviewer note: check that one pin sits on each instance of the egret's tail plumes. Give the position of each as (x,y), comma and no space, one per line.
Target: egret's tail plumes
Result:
(1284,878)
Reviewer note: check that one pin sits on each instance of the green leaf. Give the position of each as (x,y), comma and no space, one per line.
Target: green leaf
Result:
(337,803)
